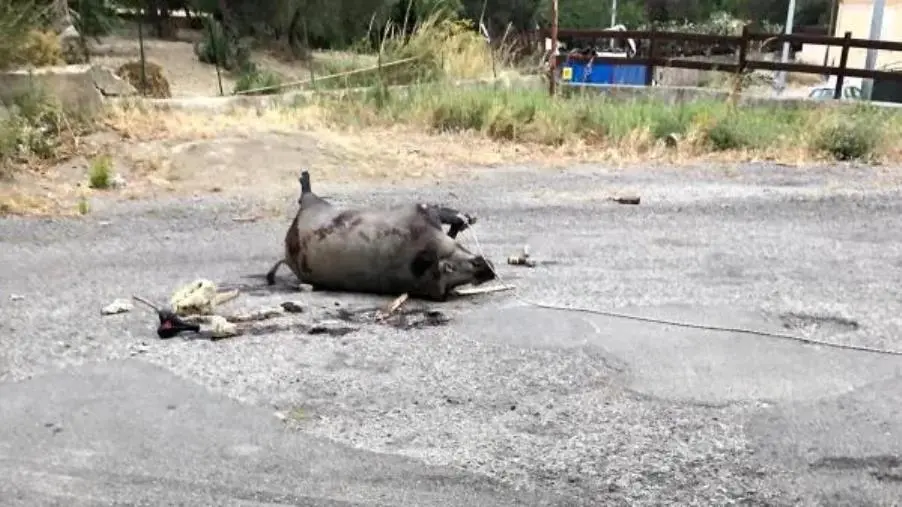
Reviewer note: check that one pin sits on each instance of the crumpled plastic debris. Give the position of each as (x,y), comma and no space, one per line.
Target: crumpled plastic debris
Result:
(199,297)
(221,328)
(117,306)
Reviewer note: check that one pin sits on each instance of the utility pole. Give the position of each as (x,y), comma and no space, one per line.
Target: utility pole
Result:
(552,60)
(870,61)
(790,16)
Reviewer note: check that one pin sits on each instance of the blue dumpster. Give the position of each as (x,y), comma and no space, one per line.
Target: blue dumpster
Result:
(580,71)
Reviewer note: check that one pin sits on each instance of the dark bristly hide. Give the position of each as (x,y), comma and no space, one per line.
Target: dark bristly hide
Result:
(396,250)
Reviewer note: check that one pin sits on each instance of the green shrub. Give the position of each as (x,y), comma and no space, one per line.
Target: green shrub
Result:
(20,20)
(530,115)
(219,48)
(36,121)
(33,124)
(84,207)
(252,78)
(725,135)
(40,49)
(9,145)
(93,18)
(751,127)
(100,172)
(847,140)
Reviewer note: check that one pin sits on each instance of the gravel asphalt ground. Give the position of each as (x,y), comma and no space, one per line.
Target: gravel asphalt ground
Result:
(505,404)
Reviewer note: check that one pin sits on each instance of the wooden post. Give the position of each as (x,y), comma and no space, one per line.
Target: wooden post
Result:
(552,62)
(741,64)
(649,68)
(744,49)
(843,61)
(216,62)
(834,11)
(141,53)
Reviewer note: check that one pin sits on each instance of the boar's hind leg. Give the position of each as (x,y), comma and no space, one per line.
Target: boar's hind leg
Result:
(271,275)
(458,221)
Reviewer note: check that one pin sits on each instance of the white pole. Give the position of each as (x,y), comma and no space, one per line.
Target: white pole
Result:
(790,16)
(613,12)
(870,61)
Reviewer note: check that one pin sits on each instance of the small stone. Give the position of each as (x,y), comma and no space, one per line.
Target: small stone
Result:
(117,306)
(305,287)
(16,297)
(280,415)
(292,307)
(117,181)
(631,199)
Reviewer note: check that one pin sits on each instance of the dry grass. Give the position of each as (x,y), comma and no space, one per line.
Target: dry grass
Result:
(425,133)
(435,130)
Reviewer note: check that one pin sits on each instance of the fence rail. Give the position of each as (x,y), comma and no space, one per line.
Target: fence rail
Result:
(649,39)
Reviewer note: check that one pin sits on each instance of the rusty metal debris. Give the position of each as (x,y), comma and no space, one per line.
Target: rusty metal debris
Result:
(522,259)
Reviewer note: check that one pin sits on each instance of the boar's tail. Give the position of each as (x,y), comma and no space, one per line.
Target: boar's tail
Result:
(305,182)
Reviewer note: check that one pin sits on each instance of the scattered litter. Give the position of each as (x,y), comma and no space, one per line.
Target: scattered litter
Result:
(517,260)
(221,328)
(16,297)
(417,320)
(117,306)
(630,199)
(199,297)
(139,348)
(522,259)
(331,327)
(214,326)
(170,323)
(391,308)
(292,307)
(261,314)
(252,218)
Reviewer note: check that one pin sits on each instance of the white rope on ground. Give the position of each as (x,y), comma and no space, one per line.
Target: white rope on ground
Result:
(619,315)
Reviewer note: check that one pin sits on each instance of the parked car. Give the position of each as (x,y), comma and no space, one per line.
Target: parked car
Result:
(849,92)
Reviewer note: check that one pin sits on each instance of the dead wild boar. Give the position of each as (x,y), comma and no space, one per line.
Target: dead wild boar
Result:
(400,249)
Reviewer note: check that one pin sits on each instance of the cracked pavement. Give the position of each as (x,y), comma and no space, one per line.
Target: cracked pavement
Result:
(507,404)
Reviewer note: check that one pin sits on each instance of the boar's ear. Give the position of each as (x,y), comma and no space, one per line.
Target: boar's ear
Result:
(422,262)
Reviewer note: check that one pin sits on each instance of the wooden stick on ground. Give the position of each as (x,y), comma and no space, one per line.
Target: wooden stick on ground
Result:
(392,307)
(224,297)
(146,302)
